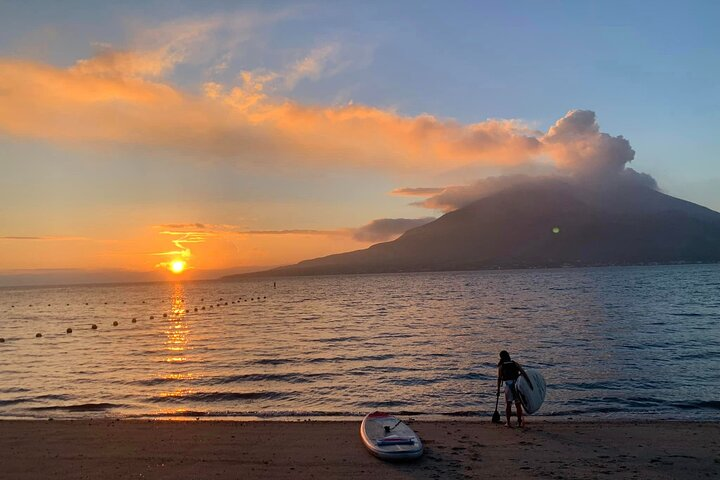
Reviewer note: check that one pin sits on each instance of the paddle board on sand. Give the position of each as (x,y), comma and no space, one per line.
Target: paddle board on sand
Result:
(531,398)
(396,442)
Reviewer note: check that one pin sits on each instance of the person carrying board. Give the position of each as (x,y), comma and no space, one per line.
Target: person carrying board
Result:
(509,371)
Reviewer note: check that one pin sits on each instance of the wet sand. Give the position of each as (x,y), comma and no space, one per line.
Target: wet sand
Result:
(107,449)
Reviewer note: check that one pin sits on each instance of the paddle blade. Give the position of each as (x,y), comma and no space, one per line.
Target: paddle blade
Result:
(496,417)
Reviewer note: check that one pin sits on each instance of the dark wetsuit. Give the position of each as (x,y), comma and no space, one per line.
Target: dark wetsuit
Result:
(509,373)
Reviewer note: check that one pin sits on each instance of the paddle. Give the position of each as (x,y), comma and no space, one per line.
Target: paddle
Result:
(496,415)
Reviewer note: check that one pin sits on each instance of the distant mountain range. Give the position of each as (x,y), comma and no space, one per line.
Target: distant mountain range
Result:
(548,223)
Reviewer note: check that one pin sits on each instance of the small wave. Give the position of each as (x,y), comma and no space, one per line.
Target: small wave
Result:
(700,404)
(248,413)
(373,369)
(83,407)
(703,355)
(688,314)
(584,386)
(221,396)
(273,361)
(360,358)
(336,339)
(14,401)
(383,404)
(415,381)
(14,390)
(269,377)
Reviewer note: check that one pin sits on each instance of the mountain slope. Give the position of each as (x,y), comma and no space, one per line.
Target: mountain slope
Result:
(514,229)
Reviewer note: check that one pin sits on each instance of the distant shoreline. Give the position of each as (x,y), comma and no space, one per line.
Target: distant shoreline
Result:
(269,274)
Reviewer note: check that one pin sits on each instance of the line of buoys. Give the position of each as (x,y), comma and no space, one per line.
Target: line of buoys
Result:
(134,320)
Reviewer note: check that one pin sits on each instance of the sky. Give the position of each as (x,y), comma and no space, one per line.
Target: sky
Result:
(238,135)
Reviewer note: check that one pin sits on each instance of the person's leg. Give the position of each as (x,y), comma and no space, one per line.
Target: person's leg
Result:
(518,405)
(508,412)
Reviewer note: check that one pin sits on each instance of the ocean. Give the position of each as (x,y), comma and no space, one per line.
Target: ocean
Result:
(612,342)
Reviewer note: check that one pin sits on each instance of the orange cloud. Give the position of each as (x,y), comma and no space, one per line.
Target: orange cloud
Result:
(114,98)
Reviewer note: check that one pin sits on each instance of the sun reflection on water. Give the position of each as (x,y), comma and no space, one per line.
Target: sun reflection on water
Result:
(176,346)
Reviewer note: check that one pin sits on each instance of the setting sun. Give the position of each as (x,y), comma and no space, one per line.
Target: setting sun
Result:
(177,266)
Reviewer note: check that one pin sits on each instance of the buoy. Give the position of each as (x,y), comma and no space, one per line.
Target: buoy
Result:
(94,327)
(134,320)
(69,330)
(48,304)
(196,309)
(164,315)
(152,318)
(115,323)
(38,335)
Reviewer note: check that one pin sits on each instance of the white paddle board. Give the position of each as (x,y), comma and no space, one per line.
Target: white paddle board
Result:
(531,398)
(389,438)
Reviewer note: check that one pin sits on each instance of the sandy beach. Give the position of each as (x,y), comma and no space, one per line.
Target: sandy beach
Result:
(113,449)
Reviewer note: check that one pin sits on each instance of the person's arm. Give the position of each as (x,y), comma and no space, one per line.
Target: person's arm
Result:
(525,376)
(499,382)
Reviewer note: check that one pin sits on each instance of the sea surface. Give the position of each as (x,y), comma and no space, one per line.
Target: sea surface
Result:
(612,342)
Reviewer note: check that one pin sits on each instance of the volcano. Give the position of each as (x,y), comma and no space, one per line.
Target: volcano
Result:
(549,223)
